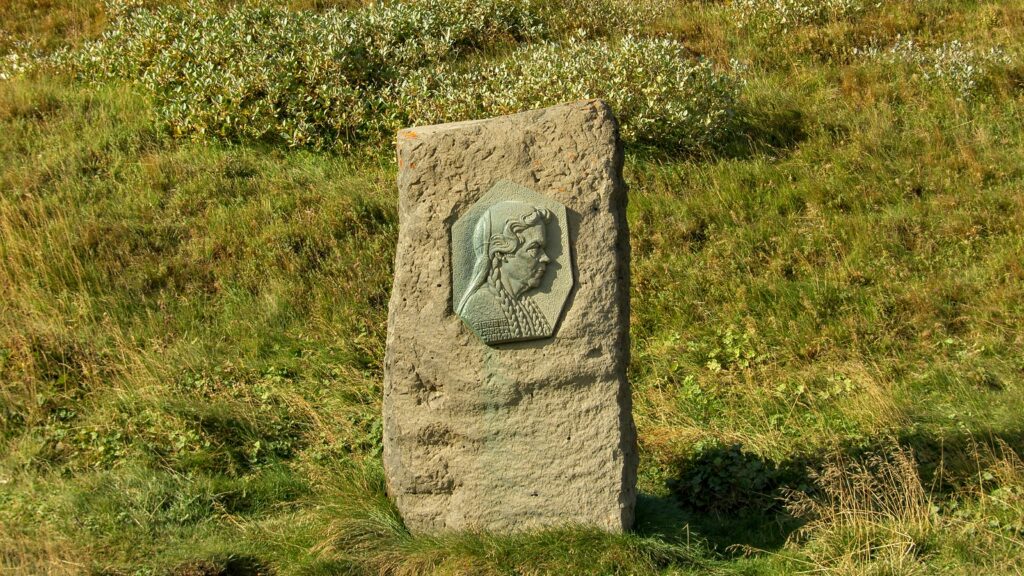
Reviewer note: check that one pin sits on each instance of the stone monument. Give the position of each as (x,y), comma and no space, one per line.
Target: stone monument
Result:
(506,404)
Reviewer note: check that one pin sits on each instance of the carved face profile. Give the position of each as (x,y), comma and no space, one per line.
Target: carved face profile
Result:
(524,268)
(511,264)
(509,242)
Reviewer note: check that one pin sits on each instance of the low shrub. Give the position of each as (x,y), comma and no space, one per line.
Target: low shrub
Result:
(373,42)
(334,78)
(774,15)
(301,77)
(12,64)
(957,65)
(659,93)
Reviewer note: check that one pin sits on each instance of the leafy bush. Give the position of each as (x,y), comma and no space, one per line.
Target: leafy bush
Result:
(728,349)
(955,64)
(304,78)
(378,40)
(782,14)
(659,94)
(15,56)
(12,64)
(329,79)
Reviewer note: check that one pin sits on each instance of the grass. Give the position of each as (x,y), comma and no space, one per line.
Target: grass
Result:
(827,326)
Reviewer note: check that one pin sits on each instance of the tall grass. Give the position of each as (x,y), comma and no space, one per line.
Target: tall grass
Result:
(869,514)
(873,514)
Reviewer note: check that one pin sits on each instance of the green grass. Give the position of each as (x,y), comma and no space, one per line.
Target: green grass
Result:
(192,333)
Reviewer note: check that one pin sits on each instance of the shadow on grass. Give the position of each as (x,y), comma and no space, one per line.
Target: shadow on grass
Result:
(724,535)
(764,131)
(725,502)
(720,534)
(733,501)
(230,566)
(949,462)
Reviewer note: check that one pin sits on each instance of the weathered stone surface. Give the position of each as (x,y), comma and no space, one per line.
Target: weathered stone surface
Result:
(523,434)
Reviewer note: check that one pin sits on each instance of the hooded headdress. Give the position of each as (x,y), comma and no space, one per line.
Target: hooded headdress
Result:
(496,232)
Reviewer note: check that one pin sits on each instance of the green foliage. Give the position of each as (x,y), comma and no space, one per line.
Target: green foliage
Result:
(301,78)
(13,64)
(818,391)
(779,15)
(334,78)
(658,93)
(729,349)
(959,66)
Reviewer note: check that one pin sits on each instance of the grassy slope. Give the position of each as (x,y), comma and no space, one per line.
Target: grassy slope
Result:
(191,335)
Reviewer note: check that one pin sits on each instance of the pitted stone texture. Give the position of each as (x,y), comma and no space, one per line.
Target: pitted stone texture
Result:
(528,434)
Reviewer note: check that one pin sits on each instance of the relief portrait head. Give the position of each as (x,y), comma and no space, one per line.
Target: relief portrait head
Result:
(510,261)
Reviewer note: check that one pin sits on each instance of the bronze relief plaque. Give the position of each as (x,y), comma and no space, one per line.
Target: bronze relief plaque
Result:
(511,265)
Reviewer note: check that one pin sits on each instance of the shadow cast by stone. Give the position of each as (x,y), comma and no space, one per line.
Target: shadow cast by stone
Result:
(733,500)
(230,566)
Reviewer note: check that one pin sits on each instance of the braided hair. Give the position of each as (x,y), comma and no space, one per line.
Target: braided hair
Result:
(492,247)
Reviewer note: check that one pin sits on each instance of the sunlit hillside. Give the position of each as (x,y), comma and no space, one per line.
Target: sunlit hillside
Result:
(197,228)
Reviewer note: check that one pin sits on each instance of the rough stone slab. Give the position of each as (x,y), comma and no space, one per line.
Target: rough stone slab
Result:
(521,435)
